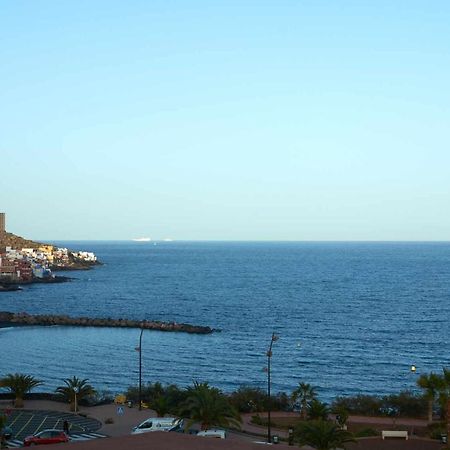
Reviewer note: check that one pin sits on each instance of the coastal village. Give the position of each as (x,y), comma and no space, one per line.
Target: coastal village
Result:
(23,261)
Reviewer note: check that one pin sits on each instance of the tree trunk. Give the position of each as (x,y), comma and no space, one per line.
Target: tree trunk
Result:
(430,410)
(18,402)
(303,410)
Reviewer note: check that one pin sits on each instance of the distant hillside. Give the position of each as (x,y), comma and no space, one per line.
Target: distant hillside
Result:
(11,240)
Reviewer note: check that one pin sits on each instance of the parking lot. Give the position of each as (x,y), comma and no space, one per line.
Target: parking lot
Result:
(27,422)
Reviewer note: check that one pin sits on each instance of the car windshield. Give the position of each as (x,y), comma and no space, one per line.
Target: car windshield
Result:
(44,434)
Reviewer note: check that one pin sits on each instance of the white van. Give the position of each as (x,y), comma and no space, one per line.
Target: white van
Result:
(214,433)
(158,424)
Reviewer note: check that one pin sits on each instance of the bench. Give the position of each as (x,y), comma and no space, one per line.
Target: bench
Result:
(394,434)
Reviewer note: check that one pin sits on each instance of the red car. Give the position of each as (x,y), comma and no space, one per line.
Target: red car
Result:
(46,437)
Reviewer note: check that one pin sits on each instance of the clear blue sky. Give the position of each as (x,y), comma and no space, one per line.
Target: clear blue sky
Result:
(277,120)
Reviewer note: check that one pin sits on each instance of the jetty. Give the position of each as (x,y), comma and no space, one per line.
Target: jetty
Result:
(8,319)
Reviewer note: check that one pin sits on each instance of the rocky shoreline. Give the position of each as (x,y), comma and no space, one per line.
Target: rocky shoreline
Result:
(78,265)
(55,279)
(8,319)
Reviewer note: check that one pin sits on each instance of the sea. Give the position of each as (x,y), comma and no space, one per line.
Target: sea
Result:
(351,317)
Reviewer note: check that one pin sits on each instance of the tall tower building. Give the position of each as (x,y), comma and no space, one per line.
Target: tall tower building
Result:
(2,223)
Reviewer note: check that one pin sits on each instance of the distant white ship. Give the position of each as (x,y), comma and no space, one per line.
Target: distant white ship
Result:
(142,239)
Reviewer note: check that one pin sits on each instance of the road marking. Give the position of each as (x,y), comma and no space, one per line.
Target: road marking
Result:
(14,443)
(79,438)
(86,436)
(98,435)
(40,425)
(15,420)
(29,420)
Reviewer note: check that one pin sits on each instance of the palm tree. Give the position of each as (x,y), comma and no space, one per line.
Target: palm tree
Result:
(160,405)
(19,384)
(317,410)
(75,389)
(304,394)
(431,384)
(322,435)
(341,416)
(444,393)
(208,406)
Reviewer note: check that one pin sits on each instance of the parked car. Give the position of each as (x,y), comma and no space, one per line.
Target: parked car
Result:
(214,433)
(158,424)
(46,437)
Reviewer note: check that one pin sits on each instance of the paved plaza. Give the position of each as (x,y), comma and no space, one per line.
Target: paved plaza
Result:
(27,422)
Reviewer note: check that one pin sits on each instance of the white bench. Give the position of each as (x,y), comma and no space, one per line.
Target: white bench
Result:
(394,434)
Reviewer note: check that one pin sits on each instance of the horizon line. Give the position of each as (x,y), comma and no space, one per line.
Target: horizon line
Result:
(255,240)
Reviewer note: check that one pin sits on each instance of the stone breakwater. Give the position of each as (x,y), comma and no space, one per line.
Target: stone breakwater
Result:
(22,319)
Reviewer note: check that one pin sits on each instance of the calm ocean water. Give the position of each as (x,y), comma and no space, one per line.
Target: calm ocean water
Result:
(352,317)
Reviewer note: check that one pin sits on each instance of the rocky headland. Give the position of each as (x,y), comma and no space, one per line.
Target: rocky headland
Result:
(14,241)
(24,261)
(8,319)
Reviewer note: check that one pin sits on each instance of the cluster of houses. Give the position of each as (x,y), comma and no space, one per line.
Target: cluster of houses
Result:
(27,264)
(35,262)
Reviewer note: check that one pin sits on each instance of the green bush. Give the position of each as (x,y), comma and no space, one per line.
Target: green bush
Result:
(154,392)
(406,403)
(256,419)
(366,432)
(435,430)
(368,405)
(248,399)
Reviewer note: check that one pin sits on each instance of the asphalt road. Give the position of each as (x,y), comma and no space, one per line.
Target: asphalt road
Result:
(27,422)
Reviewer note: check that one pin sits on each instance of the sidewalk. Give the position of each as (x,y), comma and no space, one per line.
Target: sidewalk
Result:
(249,427)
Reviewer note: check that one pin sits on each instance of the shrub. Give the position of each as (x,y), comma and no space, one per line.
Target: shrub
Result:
(153,393)
(436,430)
(368,405)
(366,432)
(248,399)
(98,398)
(256,419)
(406,403)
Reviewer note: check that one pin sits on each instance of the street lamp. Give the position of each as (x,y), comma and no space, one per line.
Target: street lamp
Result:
(269,356)
(75,391)
(448,423)
(140,366)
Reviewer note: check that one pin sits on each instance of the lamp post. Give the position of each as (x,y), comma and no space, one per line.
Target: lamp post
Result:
(75,391)
(140,366)
(269,356)
(448,423)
